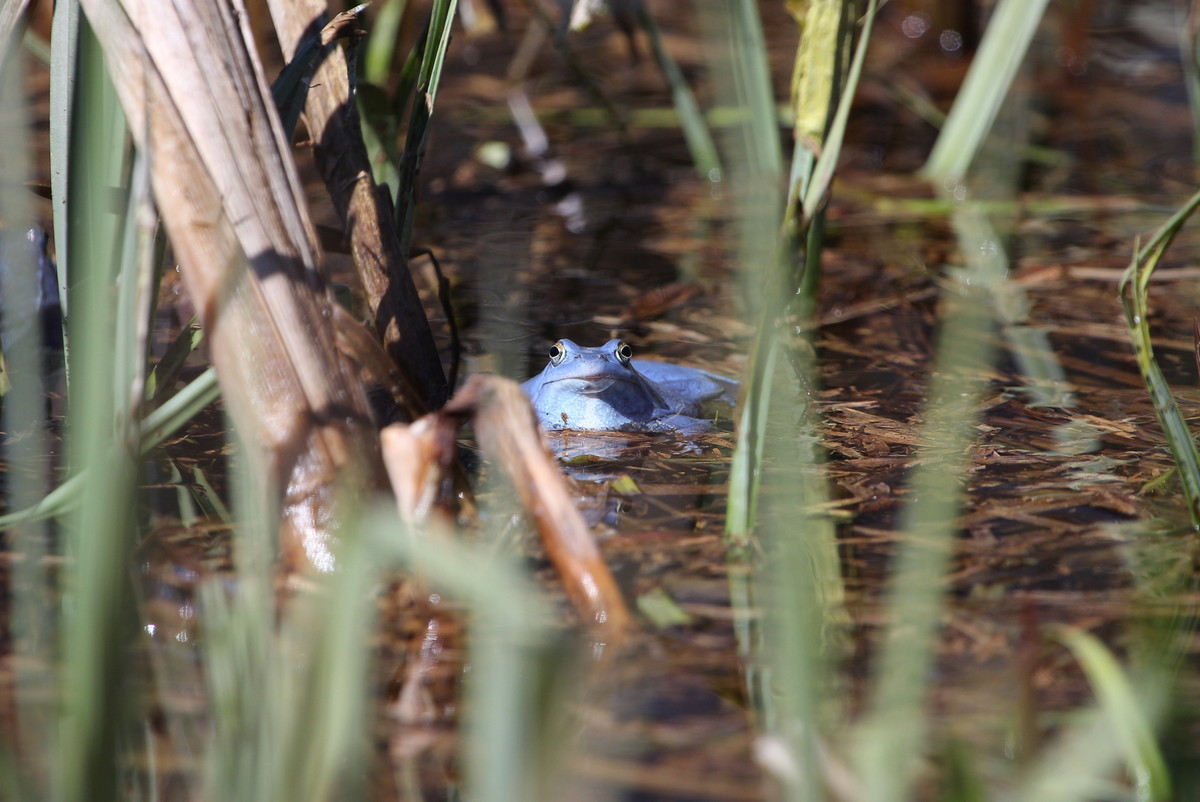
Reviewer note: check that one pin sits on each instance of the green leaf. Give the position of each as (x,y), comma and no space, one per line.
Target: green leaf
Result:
(1001,53)
(1124,709)
(382,41)
(661,610)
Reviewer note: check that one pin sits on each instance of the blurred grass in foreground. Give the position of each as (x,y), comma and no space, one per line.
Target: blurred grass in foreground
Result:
(776,536)
(285,688)
(31,600)
(286,693)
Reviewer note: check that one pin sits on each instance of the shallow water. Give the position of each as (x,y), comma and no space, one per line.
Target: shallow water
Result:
(633,244)
(1044,538)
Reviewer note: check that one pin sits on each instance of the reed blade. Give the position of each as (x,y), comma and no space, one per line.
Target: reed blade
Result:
(1133,289)
(1000,55)
(428,77)
(100,620)
(691,120)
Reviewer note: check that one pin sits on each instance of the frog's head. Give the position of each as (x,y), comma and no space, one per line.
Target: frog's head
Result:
(594,389)
(590,371)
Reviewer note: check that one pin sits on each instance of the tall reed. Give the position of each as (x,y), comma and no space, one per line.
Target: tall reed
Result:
(791,650)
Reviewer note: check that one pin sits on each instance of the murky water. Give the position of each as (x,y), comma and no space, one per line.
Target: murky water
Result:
(1052,488)
(631,243)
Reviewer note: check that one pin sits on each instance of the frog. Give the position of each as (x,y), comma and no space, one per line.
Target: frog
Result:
(606,389)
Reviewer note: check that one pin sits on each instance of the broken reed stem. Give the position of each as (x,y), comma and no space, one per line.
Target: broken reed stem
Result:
(507,431)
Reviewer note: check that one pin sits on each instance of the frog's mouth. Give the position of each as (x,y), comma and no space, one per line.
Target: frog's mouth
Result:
(589,386)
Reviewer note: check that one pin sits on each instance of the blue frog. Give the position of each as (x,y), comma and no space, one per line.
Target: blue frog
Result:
(606,389)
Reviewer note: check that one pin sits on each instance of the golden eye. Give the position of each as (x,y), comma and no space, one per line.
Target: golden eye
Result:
(557,352)
(624,352)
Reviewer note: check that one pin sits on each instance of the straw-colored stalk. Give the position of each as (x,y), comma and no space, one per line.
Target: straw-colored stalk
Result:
(418,458)
(231,202)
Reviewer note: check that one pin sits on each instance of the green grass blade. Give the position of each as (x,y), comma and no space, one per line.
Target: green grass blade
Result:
(752,437)
(160,385)
(155,428)
(739,70)
(812,185)
(752,77)
(1134,300)
(63,57)
(406,82)
(181,408)
(691,120)
(1077,765)
(99,619)
(783,556)
(1044,379)
(509,635)
(381,44)
(1009,33)
(136,298)
(382,115)
(249,683)
(1128,711)
(376,140)
(892,732)
(798,579)
(434,57)
(430,74)
(753,170)
(328,634)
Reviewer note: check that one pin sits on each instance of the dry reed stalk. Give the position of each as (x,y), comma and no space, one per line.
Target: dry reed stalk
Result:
(419,458)
(365,208)
(508,433)
(193,90)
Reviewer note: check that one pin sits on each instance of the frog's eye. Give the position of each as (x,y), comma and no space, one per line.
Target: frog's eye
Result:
(624,353)
(557,352)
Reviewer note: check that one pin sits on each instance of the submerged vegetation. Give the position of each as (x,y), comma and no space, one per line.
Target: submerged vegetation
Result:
(222,601)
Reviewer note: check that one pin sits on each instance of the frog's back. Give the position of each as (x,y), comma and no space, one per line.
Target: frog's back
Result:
(694,384)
